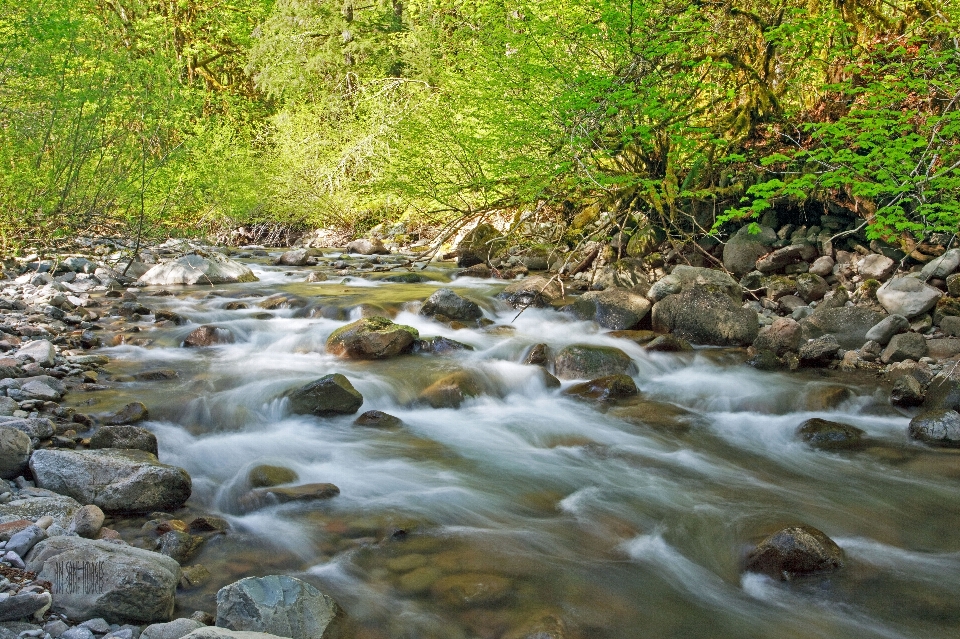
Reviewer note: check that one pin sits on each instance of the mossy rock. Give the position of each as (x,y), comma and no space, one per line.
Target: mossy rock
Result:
(267,476)
(586,361)
(372,338)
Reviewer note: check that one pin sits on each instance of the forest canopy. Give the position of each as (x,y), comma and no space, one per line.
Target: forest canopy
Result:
(185,117)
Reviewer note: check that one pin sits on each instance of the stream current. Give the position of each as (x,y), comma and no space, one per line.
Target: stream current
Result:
(529,511)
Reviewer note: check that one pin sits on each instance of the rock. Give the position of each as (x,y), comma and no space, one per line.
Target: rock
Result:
(34,428)
(950,325)
(876,267)
(209,336)
(667,344)
(479,245)
(605,388)
(115,480)
(538,355)
(532,291)
(795,552)
(103,579)
(452,390)
(440,346)
(885,329)
(848,324)
(943,392)
(22,542)
(471,589)
(23,605)
(87,521)
(41,351)
(263,497)
(941,267)
(197,269)
(706,316)
(176,629)
(447,303)
(907,296)
(953,285)
(372,246)
(819,351)
(124,436)
(377,419)
(222,633)
(744,248)
(297,257)
(684,278)
(778,259)
(278,604)
(36,389)
(946,348)
(937,428)
(372,338)
(35,504)
(15,450)
(811,287)
(329,395)
(827,435)
(782,336)
(129,414)
(614,308)
(584,361)
(266,476)
(904,346)
(627,273)
(906,392)
(78,632)
(178,545)
(946,307)
(822,266)
(8,406)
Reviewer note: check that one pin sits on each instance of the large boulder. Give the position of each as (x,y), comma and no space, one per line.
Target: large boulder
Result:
(849,324)
(15,450)
(372,246)
(907,296)
(585,361)
(614,308)
(118,481)
(827,435)
(742,251)
(329,395)
(278,604)
(943,392)
(34,503)
(372,338)
(535,290)
(197,269)
(704,315)
(941,267)
(296,257)
(41,351)
(684,278)
(795,552)
(886,328)
(117,582)
(125,436)
(447,303)
(782,336)
(479,245)
(937,428)
(905,346)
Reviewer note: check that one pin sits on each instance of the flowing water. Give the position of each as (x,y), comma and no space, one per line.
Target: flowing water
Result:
(526,510)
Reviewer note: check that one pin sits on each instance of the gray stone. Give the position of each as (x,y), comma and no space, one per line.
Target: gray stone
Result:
(907,296)
(937,428)
(943,392)
(97,625)
(197,269)
(36,389)
(55,627)
(278,604)
(907,391)
(885,329)
(367,247)
(175,629)
(531,291)
(8,406)
(372,338)
(684,278)
(115,480)
(297,257)
(42,503)
(941,267)
(41,351)
(953,285)
(33,427)
(811,287)
(23,541)
(822,266)
(128,584)
(15,450)
(628,273)
(950,325)
(124,436)
(447,303)
(78,632)
(742,251)
(782,336)
(329,395)
(585,361)
(780,258)
(848,324)
(904,346)
(24,605)
(704,315)
(129,414)
(827,435)
(179,545)
(223,633)
(876,267)
(795,552)
(820,350)
(87,521)
(614,308)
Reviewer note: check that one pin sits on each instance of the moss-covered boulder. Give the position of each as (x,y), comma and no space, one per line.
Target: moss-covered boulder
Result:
(372,338)
(586,361)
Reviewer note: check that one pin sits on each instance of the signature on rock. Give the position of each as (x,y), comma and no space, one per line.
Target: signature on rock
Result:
(78,577)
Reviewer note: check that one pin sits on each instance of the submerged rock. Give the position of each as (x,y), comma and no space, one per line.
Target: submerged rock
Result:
(197,269)
(266,476)
(827,435)
(132,412)
(278,604)
(605,388)
(451,391)
(585,361)
(372,338)
(209,336)
(377,419)
(329,395)
(795,552)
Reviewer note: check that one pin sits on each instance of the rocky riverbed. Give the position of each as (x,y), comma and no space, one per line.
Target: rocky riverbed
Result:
(192,447)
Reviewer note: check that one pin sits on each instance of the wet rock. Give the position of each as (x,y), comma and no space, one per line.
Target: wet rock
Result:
(176,629)
(452,390)
(371,246)
(585,361)
(129,414)
(124,436)
(41,351)
(538,355)
(15,450)
(811,287)
(606,388)
(614,308)
(848,324)
(477,270)
(784,335)
(115,480)
(876,267)
(656,415)
(440,346)
(372,338)
(906,391)
(827,435)
(886,328)
(821,350)
(377,419)
(169,316)
(667,344)
(179,546)
(209,523)
(265,476)
(795,552)
(532,291)
(941,267)
(471,589)
(194,576)
(684,278)
(447,303)
(937,428)
(197,269)
(263,497)
(904,346)
(907,296)
(87,522)
(118,582)
(744,248)
(705,316)
(329,395)
(209,336)
(827,398)
(296,257)
(280,605)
